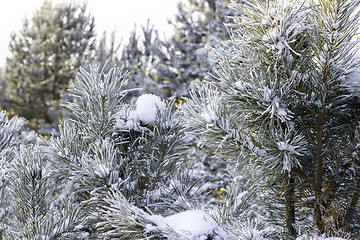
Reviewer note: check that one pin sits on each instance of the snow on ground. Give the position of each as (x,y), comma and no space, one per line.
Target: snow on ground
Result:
(196,223)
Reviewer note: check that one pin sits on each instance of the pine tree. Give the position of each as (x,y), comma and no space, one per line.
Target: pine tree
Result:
(106,54)
(45,55)
(286,102)
(138,55)
(198,25)
(167,67)
(62,188)
(111,149)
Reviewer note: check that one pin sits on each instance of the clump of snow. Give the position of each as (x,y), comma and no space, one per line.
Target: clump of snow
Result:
(124,120)
(196,223)
(282,113)
(276,108)
(288,150)
(280,44)
(273,12)
(268,94)
(239,85)
(240,197)
(147,106)
(208,115)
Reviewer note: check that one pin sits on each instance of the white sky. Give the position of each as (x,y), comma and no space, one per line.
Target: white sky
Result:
(109,14)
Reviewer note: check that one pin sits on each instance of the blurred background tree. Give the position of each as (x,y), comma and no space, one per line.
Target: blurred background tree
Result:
(2,83)
(167,67)
(107,53)
(45,55)
(198,26)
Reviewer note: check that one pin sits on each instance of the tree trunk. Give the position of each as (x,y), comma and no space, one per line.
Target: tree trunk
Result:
(290,208)
(319,173)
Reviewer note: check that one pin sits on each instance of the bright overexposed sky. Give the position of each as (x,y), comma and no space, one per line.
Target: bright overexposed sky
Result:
(109,14)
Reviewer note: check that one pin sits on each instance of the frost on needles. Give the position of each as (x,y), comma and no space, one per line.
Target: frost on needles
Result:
(281,106)
(114,171)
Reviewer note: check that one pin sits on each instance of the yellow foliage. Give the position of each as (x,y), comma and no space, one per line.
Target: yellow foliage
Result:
(155,76)
(221,192)
(33,122)
(179,101)
(166,80)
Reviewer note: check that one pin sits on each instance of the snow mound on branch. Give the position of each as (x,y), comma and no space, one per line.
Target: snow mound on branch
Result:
(209,115)
(146,107)
(196,223)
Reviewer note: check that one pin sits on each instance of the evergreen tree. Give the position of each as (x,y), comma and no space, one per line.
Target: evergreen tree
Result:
(186,55)
(167,67)
(138,56)
(106,54)
(285,104)
(112,149)
(2,86)
(44,58)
